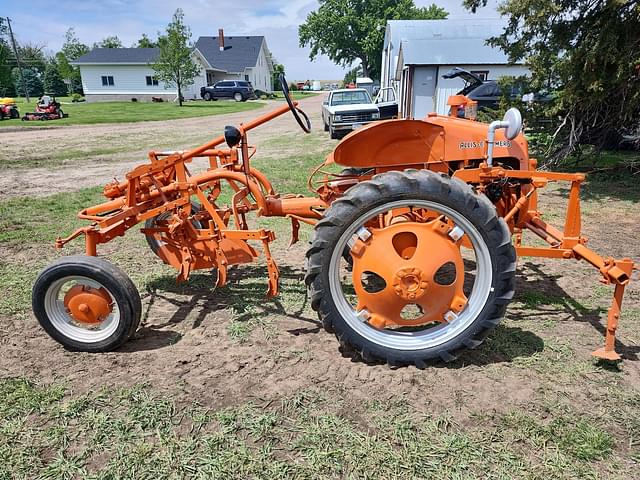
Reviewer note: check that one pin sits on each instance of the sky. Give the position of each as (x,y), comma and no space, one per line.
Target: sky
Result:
(45,22)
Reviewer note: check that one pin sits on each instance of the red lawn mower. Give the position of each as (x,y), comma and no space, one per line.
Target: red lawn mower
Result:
(47,108)
(8,108)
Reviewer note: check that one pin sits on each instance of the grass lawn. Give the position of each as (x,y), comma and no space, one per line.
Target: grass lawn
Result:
(297,95)
(83,113)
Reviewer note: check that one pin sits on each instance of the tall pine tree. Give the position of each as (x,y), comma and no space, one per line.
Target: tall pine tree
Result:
(53,83)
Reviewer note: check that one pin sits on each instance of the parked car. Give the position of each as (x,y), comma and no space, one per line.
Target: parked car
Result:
(488,92)
(387,103)
(240,91)
(348,109)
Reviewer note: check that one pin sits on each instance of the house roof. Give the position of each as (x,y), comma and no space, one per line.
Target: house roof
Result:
(119,55)
(240,52)
(444,42)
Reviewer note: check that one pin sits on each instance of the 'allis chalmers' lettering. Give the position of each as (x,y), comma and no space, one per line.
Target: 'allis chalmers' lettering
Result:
(480,144)
(464,145)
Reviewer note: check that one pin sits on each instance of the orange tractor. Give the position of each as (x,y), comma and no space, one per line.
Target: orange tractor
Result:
(413,256)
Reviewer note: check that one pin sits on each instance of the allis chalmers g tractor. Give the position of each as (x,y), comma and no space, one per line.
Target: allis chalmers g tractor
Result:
(414,250)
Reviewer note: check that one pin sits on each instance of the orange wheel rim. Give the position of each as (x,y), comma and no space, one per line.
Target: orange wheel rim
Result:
(407,256)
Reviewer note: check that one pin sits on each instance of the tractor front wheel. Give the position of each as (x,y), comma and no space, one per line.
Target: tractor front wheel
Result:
(86,303)
(431,271)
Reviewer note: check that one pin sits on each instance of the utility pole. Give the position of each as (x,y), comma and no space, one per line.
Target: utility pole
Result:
(15,52)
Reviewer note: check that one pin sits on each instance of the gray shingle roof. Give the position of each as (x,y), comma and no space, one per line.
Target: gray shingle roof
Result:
(240,52)
(119,55)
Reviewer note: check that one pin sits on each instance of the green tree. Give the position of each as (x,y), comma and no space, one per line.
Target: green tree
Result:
(53,83)
(109,42)
(7,87)
(174,64)
(350,30)
(351,75)
(32,56)
(31,80)
(72,49)
(589,54)
(145,42)
(278,69)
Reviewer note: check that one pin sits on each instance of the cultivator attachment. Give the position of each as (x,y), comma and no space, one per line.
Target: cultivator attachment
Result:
(521,214)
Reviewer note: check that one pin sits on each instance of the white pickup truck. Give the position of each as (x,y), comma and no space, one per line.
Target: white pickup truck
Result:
(347,109)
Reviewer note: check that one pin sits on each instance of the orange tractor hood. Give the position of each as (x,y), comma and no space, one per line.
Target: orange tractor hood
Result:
(435,139)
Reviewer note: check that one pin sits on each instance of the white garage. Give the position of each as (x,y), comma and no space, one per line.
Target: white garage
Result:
(417,53)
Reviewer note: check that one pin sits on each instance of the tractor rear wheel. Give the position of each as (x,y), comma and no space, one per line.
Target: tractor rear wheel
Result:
(86,303)
(432,269)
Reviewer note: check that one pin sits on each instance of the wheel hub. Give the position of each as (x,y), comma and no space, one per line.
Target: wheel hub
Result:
(87,304)
(410,283)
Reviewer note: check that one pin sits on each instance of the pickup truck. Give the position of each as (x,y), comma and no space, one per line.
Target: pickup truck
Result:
(348,109)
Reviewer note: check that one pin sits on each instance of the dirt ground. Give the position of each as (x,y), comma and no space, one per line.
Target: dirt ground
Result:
(97,168)
(539,356)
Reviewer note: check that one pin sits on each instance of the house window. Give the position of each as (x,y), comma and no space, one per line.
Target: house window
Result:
(107,81)
(481,74)
(246,77)
(152,81)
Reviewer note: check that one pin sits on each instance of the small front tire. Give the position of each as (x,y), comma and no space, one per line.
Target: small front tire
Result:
(86,304)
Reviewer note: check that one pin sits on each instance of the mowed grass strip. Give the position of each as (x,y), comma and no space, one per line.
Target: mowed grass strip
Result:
(87,113)
(48,432)
(42,219)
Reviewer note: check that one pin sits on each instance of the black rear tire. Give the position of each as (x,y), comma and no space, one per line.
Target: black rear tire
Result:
(114,280)
(411,185)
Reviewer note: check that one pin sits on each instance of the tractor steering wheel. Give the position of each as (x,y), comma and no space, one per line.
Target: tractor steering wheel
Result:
(304,125)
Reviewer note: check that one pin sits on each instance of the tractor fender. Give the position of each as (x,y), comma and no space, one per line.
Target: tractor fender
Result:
(391,143)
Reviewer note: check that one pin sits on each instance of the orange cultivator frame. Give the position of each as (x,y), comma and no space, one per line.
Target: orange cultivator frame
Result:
(521,215)
(166,185)
(190,224)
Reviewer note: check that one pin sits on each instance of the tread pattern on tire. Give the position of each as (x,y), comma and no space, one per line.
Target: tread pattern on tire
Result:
(411,184)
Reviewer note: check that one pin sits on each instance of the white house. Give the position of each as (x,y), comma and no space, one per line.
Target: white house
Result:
(417,53)
(110,74)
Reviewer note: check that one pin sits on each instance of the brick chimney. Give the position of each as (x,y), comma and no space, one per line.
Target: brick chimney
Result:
(221,39)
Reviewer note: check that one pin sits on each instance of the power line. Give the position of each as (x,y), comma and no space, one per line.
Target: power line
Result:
(15,52)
